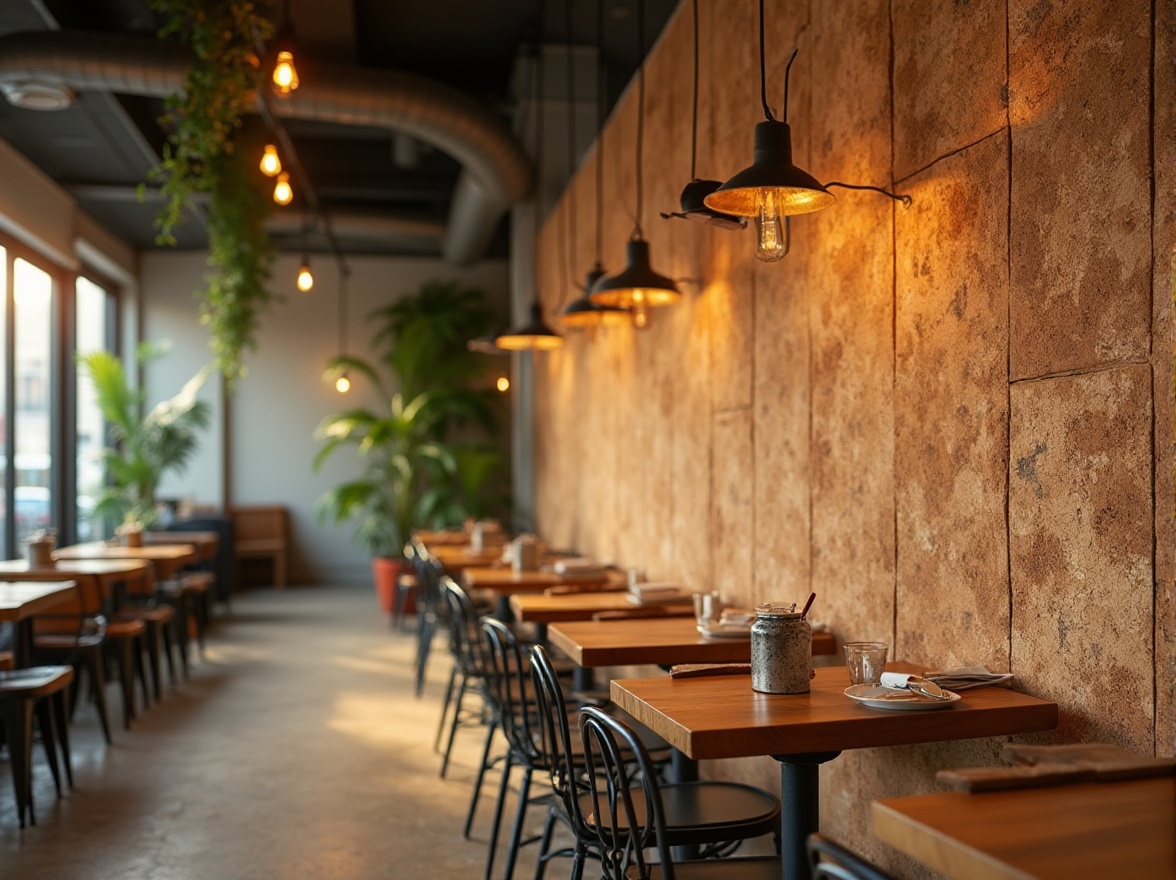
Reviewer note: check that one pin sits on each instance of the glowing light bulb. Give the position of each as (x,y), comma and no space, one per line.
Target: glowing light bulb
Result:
(305,278)
(503,384)
(271,163)
(343,384)
(770,243)
(285,76)
(283,192)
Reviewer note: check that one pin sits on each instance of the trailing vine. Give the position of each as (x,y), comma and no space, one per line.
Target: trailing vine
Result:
(204,154)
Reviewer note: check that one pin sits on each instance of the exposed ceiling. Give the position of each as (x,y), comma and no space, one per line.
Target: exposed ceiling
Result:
(384,192)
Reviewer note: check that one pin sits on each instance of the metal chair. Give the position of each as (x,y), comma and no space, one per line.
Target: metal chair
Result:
(430,606)
(39,691)
(469,669)
(626,810)
(832,861)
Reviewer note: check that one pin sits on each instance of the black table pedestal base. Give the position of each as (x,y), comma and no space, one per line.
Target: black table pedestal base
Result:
(800,808)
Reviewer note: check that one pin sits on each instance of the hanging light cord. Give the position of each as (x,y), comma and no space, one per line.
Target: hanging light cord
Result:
(763,68)
(571,189)
(640,110)
(905,199)
(344,275)
(601,85)
(694,108)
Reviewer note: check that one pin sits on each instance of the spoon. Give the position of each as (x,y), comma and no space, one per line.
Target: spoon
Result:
(807,605)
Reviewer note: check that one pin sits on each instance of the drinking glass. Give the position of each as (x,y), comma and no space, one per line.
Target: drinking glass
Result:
(706,608)
(865,661)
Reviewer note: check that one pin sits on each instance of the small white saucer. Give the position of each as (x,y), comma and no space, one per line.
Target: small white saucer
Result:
(897,699)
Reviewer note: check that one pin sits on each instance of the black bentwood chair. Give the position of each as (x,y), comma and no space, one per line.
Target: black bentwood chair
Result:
(832,861)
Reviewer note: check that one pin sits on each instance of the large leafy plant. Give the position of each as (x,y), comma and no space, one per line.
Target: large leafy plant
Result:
(142,447)
(206,153)
(425,444)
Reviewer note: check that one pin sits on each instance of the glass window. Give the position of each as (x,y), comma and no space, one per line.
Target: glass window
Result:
(32,290)
(92,334)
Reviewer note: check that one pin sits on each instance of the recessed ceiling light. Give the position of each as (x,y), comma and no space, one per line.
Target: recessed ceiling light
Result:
(36,95)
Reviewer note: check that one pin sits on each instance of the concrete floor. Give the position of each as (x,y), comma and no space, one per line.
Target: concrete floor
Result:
(295,750)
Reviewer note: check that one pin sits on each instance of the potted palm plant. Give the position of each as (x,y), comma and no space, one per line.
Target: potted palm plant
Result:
(143,447)
(425,441)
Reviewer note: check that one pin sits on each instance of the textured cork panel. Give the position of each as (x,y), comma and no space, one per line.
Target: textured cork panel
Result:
(782,401)
(951,411)
(733,476)
(1164,365)
(950,70)
(854,780)
(730,294)
(851,292)
(1080,512)
(1081,254)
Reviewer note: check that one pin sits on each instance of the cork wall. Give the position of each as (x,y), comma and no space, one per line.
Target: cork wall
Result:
(953,420)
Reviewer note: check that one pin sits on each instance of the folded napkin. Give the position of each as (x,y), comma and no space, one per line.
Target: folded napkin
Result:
(577,565)
(962,678)
(698,670)
(1040,766)
(655,588)
(737,617)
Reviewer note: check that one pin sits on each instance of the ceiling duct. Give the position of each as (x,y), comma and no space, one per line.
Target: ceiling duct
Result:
(496,173)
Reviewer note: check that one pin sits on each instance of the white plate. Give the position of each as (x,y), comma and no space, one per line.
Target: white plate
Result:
(725,631)
(896,699)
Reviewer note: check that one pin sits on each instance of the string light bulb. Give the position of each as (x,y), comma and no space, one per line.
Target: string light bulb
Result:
(285,76)
(503,383)
(343,384)
(271,162)
(305,276)
(283,192)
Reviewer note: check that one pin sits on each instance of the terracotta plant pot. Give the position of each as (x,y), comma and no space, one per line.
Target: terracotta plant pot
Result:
(386,573)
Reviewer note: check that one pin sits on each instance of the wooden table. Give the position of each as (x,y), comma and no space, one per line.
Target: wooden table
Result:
(206,543)
(167,559)
(505,580)
(456,558)
(21,600)
(1067,832)
(722,717)
(582,605)
(661,640)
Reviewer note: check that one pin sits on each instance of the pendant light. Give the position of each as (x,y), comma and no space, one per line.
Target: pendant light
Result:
(271,162)
(535,335)
(693,194)
(637,286)
(283,191)
(343,381)
(773,188)
(581,313)
(305,280)
(284,77)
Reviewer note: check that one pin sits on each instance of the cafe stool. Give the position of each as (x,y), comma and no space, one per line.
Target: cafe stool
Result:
(126,638)
(198,588)
(160,623)
(81,648)
(23,693)
(832,861)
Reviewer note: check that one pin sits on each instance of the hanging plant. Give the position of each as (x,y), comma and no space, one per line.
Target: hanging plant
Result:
(204,155)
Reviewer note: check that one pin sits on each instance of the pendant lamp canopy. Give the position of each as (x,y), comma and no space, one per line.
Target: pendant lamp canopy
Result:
(638,285)
(534,335)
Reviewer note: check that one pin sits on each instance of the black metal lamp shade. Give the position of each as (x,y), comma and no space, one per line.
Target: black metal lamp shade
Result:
(535,335)
(795,191)
(637,285)
(694,206)
(582,313)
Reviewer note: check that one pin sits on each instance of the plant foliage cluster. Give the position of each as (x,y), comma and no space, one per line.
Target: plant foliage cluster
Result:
(141,449)
(205,154)
(426,445)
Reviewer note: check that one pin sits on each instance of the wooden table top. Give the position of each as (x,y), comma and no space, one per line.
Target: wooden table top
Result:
(67,568)
(504,579)
(168,559)
(1096,830)
(722,717)
(206,543)
(541,608)
(455,559)
(661,640)
(21,599)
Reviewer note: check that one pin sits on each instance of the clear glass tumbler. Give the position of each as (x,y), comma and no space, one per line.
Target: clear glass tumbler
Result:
(866,661)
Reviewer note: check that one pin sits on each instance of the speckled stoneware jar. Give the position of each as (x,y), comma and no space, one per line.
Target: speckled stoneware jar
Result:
(781,650)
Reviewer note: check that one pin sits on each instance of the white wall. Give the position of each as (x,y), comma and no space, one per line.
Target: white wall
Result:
(276,407)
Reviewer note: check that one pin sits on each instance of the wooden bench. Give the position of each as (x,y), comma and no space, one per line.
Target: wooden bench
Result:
(260,532)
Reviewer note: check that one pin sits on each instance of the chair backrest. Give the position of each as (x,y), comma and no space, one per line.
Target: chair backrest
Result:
(429,597)
(832,861)
(506,680)
(554,739)
(259,523)
(82,613)
(629,819)
(465,637)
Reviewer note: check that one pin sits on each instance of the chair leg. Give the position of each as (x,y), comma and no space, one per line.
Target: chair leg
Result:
(141,668)
(516,834)
(167,634)
(496,825)
(95,668)
(17,716)
(45,723)
(545,843)
(453,724)
(491,728)
(125,657)
(153,641)
(428,627)
(445,708)
(61,717)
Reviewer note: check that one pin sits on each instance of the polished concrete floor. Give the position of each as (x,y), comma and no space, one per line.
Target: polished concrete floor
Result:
(295,750)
